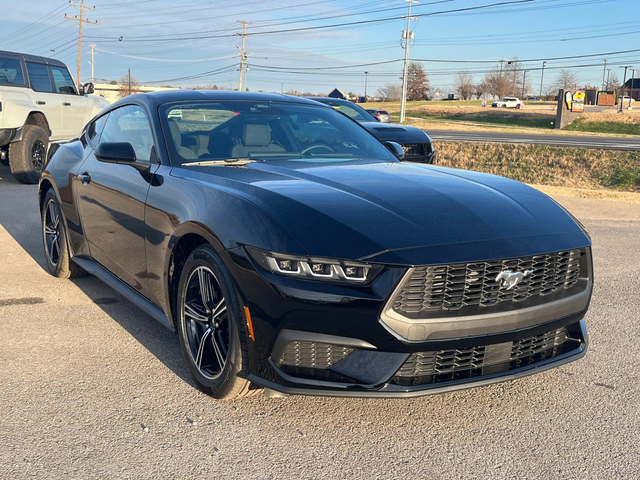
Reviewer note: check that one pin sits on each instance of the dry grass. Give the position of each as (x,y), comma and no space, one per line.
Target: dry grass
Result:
(544,165)
(475,112)
(633,118)
(612,195)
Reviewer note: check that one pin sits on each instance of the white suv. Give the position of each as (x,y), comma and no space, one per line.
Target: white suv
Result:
(39,103)
(508,102)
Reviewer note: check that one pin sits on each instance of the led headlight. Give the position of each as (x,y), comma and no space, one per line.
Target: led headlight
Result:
(313,267)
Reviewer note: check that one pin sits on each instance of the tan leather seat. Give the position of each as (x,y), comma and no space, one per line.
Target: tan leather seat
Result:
(256,138)
(184,152)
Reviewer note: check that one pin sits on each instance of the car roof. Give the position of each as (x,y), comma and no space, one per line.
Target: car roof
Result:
(155,99)
(32,58)
(331,100)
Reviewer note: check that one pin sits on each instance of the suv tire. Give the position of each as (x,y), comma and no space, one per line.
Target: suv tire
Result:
(27,157)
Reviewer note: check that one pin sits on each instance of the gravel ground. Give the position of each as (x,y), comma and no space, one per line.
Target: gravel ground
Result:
(90,387)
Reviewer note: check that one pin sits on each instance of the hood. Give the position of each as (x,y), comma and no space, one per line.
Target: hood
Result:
(396,133)
(403,213)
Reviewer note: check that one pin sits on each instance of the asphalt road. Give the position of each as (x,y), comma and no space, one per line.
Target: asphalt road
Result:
(91,387)
(609,143)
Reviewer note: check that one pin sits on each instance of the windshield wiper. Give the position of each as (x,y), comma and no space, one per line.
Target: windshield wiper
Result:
(229,162)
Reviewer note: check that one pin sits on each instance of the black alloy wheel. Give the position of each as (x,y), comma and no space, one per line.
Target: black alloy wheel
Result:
(206,323)
(52,232)
(212,328)
(38,155)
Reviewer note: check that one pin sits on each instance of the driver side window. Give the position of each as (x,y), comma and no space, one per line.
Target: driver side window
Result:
(130,124)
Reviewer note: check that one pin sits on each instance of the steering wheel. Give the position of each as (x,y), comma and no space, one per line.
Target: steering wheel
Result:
(316,145)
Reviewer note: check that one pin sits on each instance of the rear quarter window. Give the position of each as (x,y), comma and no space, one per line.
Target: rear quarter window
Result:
(11,72)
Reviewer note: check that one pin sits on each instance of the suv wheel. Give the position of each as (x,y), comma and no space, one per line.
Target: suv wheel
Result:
(27,157)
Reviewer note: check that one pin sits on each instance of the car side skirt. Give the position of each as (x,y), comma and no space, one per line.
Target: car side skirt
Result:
(94,268)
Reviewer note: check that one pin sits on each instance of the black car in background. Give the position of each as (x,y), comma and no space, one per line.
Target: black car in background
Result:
(417,145)
(291,250)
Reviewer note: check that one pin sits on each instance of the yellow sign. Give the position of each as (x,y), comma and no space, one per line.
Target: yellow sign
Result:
(578,101)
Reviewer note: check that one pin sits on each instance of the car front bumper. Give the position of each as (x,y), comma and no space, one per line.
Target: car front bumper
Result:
(316,338)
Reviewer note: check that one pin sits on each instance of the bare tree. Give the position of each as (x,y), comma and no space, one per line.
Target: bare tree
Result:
(123,86)
(463,83)
(612,83)
(497,83)
(480,90)
(566,80)
(513,74)
(418,86)
(391,92)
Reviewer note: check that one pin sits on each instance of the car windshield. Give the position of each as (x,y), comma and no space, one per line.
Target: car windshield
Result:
(265,131)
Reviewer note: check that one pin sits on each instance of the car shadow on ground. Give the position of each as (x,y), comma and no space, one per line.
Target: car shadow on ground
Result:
(19,215)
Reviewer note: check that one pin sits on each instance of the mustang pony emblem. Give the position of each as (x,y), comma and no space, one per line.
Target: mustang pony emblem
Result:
(511,279)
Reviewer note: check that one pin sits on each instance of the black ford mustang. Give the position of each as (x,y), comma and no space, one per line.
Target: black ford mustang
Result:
(291,250)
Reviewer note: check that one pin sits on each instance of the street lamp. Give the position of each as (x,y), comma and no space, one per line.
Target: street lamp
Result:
(544,64)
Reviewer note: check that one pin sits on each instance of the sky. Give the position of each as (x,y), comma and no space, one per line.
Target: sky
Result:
(316,45)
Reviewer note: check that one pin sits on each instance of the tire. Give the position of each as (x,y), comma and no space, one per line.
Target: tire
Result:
(504,105)
(54,237)
(27,157)
(211,326)
(518,106)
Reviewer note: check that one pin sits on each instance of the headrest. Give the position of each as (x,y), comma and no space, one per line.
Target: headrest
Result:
(175,133)
(256,135)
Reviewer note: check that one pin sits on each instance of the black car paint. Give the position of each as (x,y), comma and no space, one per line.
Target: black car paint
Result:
(392,213)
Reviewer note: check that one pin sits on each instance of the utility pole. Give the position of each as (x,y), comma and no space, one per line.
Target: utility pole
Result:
(604,72)
(633,73)
(544,64)
(93,52)
(407,36)
(624,80)
(524,82)
(608,79)
(366,75)
(281,87)
(129,75)
(243,56)
(81,21)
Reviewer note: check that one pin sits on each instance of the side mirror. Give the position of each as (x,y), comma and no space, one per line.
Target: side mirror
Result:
(116,152)
(88,89)
(396,149)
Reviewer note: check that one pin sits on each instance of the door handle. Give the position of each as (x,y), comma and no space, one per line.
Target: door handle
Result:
(40,102)
(66,104)
(85,178)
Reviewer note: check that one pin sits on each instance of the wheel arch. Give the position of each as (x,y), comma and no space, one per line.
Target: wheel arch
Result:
(185,239)
(38,118)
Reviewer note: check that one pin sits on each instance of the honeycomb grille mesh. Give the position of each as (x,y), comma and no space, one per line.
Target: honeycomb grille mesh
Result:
(453,287)
(446,365)
(313,354)
(412,149)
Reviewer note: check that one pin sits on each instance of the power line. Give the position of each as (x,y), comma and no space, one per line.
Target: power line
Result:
(81,21)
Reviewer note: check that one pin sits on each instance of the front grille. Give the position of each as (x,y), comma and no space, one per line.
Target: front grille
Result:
(314,355)
(468,288)
(447,365)
(412,149)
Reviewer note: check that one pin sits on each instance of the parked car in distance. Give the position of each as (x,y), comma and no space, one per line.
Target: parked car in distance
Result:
(39,103)
(417,145)
(292,251)
(381,115)
(508,102)
(626,100)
